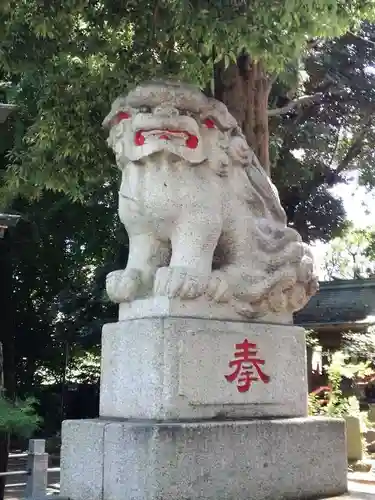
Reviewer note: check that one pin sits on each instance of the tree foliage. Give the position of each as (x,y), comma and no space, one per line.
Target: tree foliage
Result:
(360,346)
(18,417)
(69,59)
(335,404)
(63,62)
(57,258)
(351,256)
(333,131)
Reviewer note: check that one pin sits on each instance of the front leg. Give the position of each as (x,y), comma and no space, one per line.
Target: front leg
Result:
(193,246)
(146,254)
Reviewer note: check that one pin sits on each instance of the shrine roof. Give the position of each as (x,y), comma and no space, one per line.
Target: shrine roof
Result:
(340,302)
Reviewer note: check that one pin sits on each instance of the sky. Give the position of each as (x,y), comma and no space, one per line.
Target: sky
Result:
(360,208)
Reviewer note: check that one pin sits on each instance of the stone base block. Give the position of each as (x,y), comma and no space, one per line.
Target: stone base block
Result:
(164,307)
(191,368)
(299,458)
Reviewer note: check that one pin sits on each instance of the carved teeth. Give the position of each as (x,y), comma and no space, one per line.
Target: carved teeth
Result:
(176,133)
(189,140)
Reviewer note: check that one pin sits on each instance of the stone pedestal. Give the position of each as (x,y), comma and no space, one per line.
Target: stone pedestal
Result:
(245,459)
(194,408)
(176,368)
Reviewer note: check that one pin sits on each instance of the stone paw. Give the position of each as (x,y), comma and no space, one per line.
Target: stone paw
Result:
(123,285)
(218,288)
(180,282)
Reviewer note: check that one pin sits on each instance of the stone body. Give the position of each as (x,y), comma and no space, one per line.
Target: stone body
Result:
(203,218)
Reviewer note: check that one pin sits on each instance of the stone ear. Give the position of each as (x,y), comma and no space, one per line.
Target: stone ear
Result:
(217,110)
(109,142)
(117,105)
(106,123)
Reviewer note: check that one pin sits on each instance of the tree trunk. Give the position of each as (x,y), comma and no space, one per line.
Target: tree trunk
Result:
(244,88)
(63,380)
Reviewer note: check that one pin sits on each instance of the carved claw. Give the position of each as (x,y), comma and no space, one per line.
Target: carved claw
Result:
(180,282)
(218,288)
(122,285)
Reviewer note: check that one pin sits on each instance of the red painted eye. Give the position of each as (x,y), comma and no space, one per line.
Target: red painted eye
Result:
(209,123)
(121,115)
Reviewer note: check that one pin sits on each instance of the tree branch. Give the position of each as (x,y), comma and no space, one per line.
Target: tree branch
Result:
(336,147)
(300,101)
(311,44)
(364,39)
(356,145)
(305,99)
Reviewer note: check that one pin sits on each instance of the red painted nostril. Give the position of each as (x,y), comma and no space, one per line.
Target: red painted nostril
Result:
(139,138)
(192,142)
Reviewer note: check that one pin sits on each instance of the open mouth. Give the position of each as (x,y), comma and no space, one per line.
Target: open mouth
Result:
(189,140)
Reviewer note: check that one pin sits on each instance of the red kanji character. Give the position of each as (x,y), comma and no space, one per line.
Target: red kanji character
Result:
(245,364)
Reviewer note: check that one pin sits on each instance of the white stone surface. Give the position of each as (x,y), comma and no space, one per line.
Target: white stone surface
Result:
(175,368)
(202,216)
(258,460)
(82,459)
(201,307)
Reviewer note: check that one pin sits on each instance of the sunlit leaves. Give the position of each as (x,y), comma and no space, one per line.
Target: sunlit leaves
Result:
(70,58)
(351,255)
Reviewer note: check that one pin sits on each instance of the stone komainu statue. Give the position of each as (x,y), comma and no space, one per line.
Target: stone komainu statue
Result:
(202,216)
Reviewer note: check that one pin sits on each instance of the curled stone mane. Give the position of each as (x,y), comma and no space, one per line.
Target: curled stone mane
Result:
(288,261)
